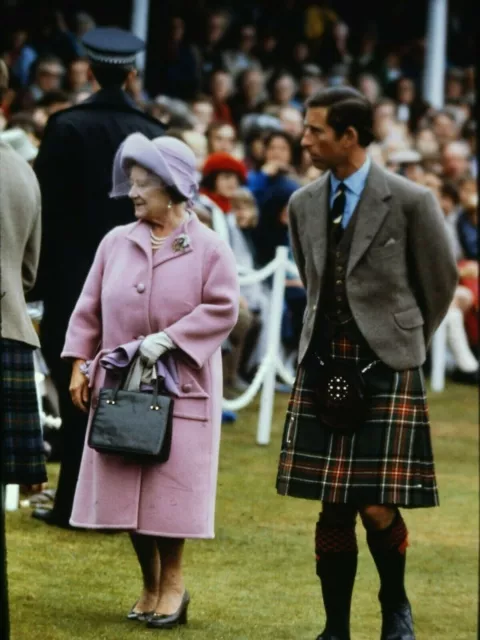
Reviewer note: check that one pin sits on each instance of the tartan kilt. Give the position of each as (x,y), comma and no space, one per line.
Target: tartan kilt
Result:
(23,460)
(387,460)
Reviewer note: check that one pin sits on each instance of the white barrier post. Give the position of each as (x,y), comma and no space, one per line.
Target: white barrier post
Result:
(439,358)
(276,313)
(12,496)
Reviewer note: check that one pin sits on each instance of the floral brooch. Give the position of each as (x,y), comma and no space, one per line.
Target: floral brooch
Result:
(181,242)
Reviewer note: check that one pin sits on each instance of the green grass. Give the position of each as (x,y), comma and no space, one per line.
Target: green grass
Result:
(257,579)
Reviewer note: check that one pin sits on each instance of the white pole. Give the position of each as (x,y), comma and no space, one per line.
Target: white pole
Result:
(12,495)
(436,53)
(276,312)
(140,11)
(439,358)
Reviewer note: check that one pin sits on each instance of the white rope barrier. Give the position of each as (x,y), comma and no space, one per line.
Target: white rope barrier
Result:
(274,336)
(246,398)
(252,276)
(291,269)
(271,364)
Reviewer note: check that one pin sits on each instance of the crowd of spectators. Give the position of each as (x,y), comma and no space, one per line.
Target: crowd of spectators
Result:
(235,97)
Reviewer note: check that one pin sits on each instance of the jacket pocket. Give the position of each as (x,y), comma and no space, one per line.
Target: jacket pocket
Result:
(409,319)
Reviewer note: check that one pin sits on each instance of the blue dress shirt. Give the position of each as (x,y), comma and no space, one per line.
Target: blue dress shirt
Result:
(355,185)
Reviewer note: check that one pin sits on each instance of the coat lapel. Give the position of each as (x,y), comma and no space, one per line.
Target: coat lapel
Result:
(170,250)
(371,212)
(140,235)
(317,222)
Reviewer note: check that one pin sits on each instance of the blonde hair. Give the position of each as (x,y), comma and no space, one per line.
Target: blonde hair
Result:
(244,196)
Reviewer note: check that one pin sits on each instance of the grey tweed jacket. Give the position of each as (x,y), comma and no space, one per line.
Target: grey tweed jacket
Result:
(20,237)
(401,274)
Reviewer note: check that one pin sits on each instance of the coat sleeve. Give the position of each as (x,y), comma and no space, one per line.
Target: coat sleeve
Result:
(84,332)
(200,333)
(31,256)
(432,262)
(295,243)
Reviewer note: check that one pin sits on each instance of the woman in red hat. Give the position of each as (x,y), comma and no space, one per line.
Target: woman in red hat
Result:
(222,176)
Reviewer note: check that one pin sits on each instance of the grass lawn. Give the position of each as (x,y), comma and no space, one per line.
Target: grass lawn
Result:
(257,580)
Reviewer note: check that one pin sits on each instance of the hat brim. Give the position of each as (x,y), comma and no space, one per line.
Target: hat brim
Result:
(139,149)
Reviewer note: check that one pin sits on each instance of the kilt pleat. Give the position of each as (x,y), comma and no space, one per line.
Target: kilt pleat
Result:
(387,460)
(23,450)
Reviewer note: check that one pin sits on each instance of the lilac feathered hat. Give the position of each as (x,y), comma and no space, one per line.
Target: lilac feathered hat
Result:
(166,157)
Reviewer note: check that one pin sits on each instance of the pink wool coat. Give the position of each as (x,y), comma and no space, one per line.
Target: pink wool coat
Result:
(192,295)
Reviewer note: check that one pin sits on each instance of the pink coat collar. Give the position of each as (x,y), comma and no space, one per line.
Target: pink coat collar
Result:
(140,235)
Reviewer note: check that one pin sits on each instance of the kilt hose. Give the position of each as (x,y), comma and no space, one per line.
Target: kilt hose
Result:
(23,451)
(388,460)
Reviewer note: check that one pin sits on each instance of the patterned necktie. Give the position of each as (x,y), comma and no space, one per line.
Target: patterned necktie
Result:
(337,211)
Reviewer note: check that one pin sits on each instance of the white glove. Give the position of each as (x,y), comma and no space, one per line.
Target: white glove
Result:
(154,346)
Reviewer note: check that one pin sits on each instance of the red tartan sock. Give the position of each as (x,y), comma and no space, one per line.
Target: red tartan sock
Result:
(388,549)
(335,531)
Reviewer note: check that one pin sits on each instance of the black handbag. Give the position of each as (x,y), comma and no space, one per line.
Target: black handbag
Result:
(134,424)
(342,400)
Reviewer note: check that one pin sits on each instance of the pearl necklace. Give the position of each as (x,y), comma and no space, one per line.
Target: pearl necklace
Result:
(156,241)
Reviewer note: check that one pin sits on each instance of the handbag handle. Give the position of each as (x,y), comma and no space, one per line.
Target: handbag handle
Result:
(135,368)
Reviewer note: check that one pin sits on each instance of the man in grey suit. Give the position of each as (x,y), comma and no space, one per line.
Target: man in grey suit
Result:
(379,273)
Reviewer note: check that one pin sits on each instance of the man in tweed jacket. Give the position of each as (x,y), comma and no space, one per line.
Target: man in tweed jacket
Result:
(20,231)
(375,260)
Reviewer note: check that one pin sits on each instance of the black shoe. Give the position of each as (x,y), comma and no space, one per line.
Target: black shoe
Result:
(397,623)
(326,635)
(48,517)
(140,616)
(160,621)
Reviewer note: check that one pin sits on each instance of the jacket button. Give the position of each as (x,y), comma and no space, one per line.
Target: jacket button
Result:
(140,287)
(187,387)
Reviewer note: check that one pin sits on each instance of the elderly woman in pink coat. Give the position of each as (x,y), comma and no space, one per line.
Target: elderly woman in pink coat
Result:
(169,282)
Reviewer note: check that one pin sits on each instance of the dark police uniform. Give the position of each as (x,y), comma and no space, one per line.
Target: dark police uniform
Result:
(74,168)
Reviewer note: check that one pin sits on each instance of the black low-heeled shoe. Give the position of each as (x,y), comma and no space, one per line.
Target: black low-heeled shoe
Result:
(161,621)
(140,616)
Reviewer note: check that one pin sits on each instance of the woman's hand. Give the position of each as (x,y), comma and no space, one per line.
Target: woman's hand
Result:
(79,391)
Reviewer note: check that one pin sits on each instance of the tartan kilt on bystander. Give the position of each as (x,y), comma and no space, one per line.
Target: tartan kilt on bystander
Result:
(23,450)
(387,460)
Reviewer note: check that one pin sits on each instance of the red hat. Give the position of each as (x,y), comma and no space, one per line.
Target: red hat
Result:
(217,162)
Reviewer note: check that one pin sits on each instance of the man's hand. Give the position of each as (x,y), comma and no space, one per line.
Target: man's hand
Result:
(79,391)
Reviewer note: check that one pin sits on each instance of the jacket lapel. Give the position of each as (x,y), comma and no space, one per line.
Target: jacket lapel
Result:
(371,212)
(317,222)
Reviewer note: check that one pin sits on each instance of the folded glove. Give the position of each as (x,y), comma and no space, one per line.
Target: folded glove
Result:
(154,346)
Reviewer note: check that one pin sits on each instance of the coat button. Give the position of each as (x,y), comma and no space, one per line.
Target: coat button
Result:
(187,387)
(140,287)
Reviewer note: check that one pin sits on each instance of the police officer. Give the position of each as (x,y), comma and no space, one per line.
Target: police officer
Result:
(74,169)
